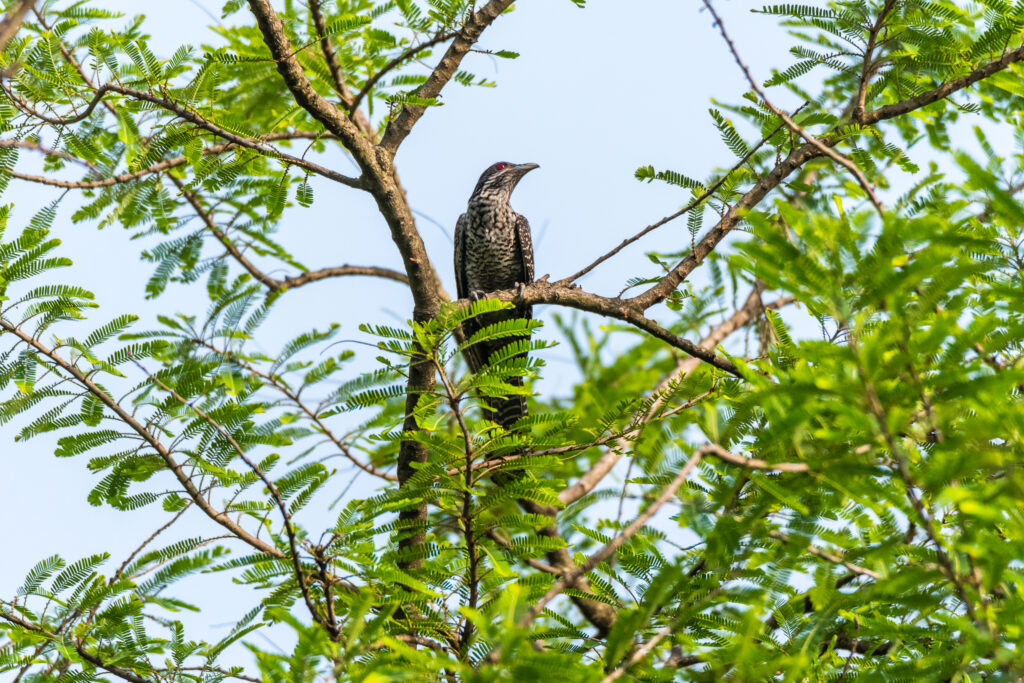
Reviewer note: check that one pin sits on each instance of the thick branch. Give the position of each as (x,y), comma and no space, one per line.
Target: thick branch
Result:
(399,128)
(321,109)
(542,292)
(12,21)
(378,174)
(797,158)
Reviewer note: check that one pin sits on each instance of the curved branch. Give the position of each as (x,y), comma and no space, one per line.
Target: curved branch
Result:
(123,674)
(542,292)
(325,46)
(289,282)
(340,271)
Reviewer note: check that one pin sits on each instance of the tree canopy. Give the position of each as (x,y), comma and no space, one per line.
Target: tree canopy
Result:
(727,495)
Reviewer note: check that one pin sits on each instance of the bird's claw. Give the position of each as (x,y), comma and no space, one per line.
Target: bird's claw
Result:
(476,295)
(520,288)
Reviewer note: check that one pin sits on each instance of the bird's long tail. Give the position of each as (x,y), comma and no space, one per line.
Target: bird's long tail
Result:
(504,410)
(507,410)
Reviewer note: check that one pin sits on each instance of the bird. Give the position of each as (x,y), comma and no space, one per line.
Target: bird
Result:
(494,251)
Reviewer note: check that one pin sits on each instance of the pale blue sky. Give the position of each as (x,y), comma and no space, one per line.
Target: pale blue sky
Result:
(595,94)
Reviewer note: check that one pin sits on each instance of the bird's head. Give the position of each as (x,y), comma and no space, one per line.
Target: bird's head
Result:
(501,178)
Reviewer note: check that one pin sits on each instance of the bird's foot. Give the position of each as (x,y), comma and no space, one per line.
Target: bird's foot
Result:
(520,288)
(476,294)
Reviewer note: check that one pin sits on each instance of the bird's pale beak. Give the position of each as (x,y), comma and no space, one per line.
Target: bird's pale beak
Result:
(526,168)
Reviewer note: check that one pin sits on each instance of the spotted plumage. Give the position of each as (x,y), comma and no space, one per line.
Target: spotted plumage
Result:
(493,251)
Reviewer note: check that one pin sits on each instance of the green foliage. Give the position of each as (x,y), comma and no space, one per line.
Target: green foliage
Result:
(875,532)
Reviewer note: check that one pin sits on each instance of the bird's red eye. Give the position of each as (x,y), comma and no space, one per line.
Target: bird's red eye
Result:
(501,166)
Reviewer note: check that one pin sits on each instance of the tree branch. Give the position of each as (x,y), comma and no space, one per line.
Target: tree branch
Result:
(797,158)
(868,64)
(793,126)
(751,308)
(272,283)
(686,209)
(394,64)
(12,21)
(300,574)
(542,292)
(147,436)
(164,165)
(320,25)
(717,451)
(28,144)
(400,127)
(325,46)
(123,674)
(609,548)
(186,114)
(298,403)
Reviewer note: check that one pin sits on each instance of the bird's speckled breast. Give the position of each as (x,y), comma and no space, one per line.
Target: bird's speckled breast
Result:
(492,262)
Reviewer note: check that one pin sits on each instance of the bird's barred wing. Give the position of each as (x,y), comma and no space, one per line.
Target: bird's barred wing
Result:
(461,286)
(524,245)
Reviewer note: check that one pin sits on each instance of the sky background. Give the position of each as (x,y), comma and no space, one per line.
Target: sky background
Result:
(595,94)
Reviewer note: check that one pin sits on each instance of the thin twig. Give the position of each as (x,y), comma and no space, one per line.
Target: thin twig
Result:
(165,454)
(686,209)
(821,146)
(395,63)
(300,574)
(609,548)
